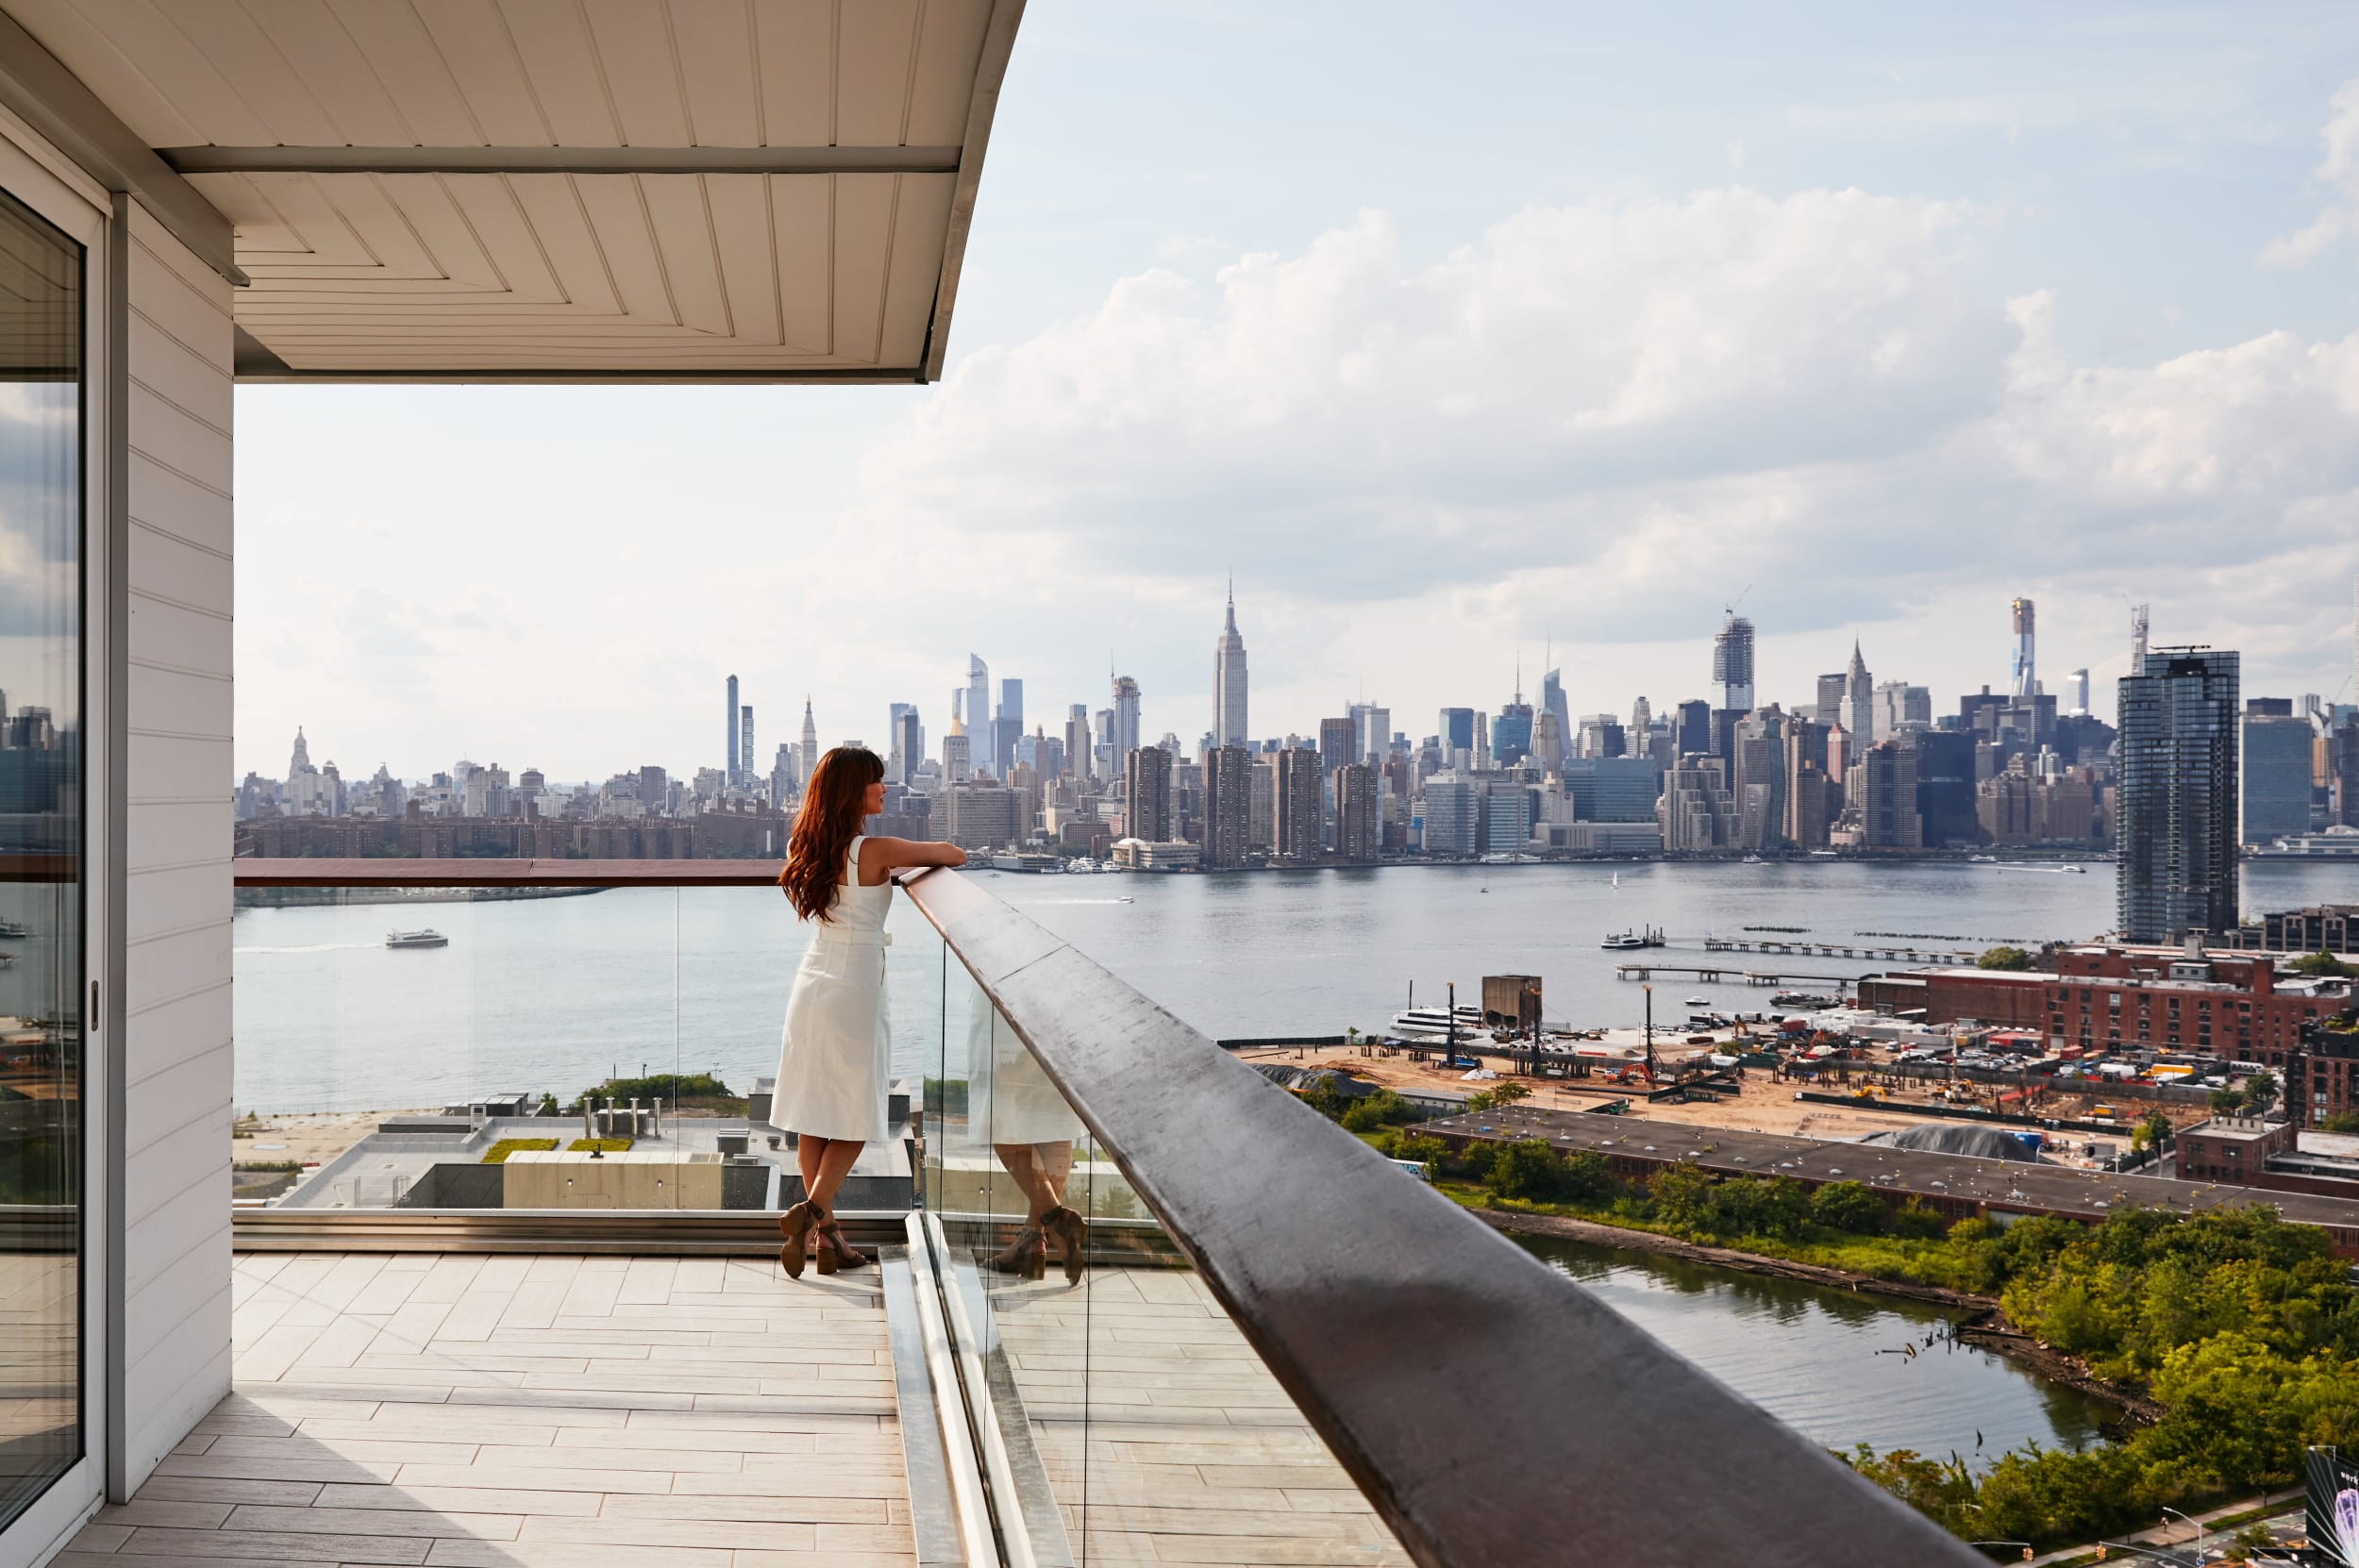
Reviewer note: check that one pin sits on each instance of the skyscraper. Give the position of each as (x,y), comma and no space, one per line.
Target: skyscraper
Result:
(978,713)
(1733,665)
(1641,724)
(1510,732)
(745,766)
(811,740)
(1007,728)
(1301,803)
(2276,761)
(1078,761)
(1336,742)
(1882,786)
(734,760)
(1859,695)
(1552,705)
(1123,737)
(1147,794)
(1691,731)
(1456,735)
(2176,820)
(1227,804)
(908,744)
(1829,708)
(2026,679)
(1359,831)
(1371,731)
(958,760)
(2080,692)
(1228,686)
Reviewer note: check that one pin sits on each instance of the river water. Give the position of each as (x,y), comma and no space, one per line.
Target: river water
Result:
(1818,1358)
(555,995)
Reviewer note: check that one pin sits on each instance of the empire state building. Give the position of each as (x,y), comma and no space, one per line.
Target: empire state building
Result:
(1228,725)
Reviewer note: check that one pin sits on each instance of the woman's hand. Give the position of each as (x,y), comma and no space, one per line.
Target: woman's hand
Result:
(881,858)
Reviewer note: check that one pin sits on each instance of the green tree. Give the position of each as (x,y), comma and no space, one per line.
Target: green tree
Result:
(1526,1168)
(1496,1097)
(2227,1101)
(2342,1121)
(1920,1222)
(1584,1175)
(2260,1093)
(1847,1205)
(1683,1196)
(2323,963)
(1382,1109)
(2003,956)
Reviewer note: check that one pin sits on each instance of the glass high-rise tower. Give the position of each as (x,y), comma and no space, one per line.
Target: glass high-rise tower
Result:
(2176,825)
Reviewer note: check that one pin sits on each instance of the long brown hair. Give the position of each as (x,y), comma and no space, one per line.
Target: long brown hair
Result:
(825,827)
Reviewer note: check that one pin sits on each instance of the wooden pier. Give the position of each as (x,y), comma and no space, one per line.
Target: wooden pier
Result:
(1719,974)
(1888,951)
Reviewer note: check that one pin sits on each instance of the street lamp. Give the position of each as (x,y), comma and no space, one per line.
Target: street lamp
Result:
(2198,1532)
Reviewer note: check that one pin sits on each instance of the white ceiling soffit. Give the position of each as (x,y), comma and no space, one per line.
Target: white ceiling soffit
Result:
(568,190)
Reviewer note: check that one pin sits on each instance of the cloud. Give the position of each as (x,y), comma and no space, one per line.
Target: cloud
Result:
(2339,171)
(1371,429)
(1598,421)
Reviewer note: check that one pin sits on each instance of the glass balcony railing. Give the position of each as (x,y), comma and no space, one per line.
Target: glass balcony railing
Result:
(1144,1307)
(522,1045)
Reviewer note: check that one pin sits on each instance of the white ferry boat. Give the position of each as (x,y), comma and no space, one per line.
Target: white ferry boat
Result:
(427,937)
(1433,1023)
(1627,941)
(14,930)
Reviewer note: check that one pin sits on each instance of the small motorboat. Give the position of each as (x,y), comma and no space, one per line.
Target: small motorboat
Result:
(426,937)
(1698,1002)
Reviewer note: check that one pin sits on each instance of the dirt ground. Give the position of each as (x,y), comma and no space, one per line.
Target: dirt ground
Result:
(1764,1104)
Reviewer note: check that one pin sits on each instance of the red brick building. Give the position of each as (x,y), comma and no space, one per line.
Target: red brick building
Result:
(2225,1004)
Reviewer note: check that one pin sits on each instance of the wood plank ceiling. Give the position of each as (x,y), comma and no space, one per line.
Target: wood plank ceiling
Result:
(561,190)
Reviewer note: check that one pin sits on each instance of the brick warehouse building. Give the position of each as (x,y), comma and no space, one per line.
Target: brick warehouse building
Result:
(2104,999)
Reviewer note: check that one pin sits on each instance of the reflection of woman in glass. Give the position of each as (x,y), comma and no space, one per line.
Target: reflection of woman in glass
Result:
(834,1056)
(1032,1132)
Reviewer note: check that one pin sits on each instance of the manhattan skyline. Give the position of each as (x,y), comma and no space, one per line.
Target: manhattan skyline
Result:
(1912,332)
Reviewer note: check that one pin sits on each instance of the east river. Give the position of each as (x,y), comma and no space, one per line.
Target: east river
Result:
(556,994)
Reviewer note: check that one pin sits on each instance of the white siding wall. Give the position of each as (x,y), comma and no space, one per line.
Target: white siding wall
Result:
(176,976)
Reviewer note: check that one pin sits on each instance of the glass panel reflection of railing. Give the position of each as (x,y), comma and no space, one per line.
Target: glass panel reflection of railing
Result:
(1133,1420)
(529,1047)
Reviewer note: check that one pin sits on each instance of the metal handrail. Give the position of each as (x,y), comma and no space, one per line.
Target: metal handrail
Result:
(1491,1410)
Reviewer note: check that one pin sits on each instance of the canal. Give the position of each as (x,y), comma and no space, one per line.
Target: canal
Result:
(1826,1361)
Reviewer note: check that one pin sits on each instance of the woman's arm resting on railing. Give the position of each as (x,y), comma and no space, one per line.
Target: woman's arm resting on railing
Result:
(882,855)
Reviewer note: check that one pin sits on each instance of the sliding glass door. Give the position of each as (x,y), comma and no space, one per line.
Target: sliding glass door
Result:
(42,989)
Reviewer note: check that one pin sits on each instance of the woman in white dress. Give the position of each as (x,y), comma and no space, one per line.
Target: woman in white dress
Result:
(835,1053)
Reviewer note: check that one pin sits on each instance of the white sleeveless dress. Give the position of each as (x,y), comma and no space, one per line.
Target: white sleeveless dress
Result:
(835,1053)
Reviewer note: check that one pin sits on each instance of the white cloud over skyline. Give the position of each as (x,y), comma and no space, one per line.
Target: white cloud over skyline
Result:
(1590,420)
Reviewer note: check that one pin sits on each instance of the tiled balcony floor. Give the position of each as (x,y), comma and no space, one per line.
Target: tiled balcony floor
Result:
(536,1412)
(1146,1402)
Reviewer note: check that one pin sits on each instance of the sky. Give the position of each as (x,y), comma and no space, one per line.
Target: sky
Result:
(1459,340)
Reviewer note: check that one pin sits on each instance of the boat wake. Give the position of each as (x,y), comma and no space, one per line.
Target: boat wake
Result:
(316,947)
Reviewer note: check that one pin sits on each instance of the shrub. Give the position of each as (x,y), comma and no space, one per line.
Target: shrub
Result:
(1584,1175)
(2003,957)
(1382,1109)
(1847,1205)
(1918,1223)
(599,1145)
(1496,1096)
(1683,1196)
(1429,1152)
(1478,1157)
(497,1153)
(1526,1168)
(1773,1206)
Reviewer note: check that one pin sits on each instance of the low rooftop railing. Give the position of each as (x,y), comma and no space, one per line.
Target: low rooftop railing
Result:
(1252,1325)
